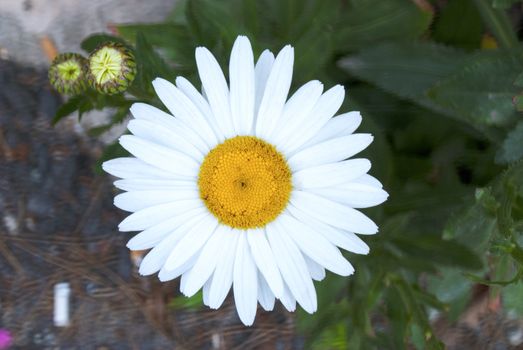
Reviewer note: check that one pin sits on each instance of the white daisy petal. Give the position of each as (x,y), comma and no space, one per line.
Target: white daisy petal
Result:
(149,238)
(261,72)
(145,218)
(151,184)
(216,89)
(167,275)
(292,266)
(368,180)
(327,105)
(205,291)
(315,246)
(155,259)
(333,213)
(184,277)
(159,156)
(316,270)
(223,275)
(264,258)
(133,168)
(288,300)
(341,125)
(241,72)
(300,104)
(206,262)
(343,239)
(245,284)
(152,114)
(183,109)
(138,200)
(199,101)
(275,93)
(191,244)
(330,151)
(331,175)
(265,296)
(156,133)
(354,195)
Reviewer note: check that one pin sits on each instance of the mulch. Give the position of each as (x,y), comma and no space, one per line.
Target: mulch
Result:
(58,224)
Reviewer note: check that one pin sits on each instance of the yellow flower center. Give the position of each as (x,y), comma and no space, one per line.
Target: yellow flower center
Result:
(106,64)
(69,70)
(245,182)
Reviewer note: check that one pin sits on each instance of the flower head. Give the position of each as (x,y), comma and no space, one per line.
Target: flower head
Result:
(111,68)
(244,187)
(67,73)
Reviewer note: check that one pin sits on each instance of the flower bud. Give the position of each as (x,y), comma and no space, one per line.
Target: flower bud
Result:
(68,73)
(111,68)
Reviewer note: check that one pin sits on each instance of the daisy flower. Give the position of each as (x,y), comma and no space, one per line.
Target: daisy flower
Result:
(241,186)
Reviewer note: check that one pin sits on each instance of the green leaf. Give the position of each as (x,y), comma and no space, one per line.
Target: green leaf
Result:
(93,41)
(519,80)
(195,302)
(474,88)
(367,22)
(213,21)
(512,147)
(442,252)
(459,24)
(518,102)
(482,90)
(174,39)
(499,24)
(67,108)
(480,280)
(503,4)
(512,300)
(150,65)
(404,69)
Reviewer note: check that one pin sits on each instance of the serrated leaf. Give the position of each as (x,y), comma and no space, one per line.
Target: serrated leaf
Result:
(150,64)
(519,80)
(482,90)
(404,69)
(512,147)
(388,20)
(475,88)
(459,24)
(214,21)
(174,39)
(73,104)
(442,252)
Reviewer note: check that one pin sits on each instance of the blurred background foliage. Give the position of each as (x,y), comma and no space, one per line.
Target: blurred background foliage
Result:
(439,84)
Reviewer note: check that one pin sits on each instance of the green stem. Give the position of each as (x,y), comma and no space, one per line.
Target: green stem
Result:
(498,23)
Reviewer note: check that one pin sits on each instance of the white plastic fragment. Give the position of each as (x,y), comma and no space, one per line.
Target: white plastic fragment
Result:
(62,293)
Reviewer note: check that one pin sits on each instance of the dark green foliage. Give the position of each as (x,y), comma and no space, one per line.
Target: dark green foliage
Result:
(459,24)
(448,143)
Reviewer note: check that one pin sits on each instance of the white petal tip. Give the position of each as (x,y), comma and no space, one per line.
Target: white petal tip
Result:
(144,271)
(247,322)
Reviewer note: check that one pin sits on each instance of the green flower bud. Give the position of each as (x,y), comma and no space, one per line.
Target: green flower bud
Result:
(68,73)
(111,68)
